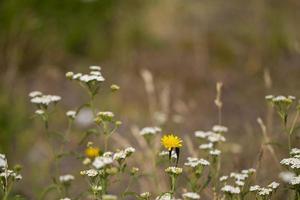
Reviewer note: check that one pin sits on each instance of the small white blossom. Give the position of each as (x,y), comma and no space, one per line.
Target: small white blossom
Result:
(223,178)
(206,146)
(295,151)
(239,183)
(230,189)
(35,93)
(219,129)
(71,114)
(202,134)
(3,161)
(102,161)
(89,172)
(264,191)
(194,162)
(174,170)
(191,195)
(215,137)
(215,152)
(295,180)
(166,153)
(274,185)
(66,178)
(286,176)
(254,188)
(95,68)
(150,131)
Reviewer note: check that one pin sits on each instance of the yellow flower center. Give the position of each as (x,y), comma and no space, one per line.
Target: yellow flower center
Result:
(171,141)
(92,152)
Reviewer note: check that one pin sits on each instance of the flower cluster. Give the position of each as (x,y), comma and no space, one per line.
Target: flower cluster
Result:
(8,176)
(91,81)
(264,192)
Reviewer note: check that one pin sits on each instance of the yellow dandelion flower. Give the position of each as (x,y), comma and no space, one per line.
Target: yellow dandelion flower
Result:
(92,152)
(171,141)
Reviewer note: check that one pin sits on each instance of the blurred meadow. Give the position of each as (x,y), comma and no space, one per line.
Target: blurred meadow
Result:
(166,56)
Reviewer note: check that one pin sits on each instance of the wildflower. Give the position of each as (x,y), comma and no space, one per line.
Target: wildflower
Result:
(215,137)
(166,196)
(71,114)
(166,153)
(294,163)
(95,68)
(190,195)
(77,76)
(89,172)
(66,178)
(238,176)
(295,151)
(45,100)
(105,116)
(230,189)
(239,183)
(102,161)
(35,94)
(202,134)
(173,170)
(109,197)
(194,162)
(150,131)
(295,180)
(254,188)
(286,176)
(249,171)
(223,178)
(171,142)
(215,152)
(206,146)
(274,185)
(3,161)
(264,191)
(84,117)
(92,152)
(219,129)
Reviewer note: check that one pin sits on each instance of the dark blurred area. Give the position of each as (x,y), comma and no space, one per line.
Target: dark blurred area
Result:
(253,47)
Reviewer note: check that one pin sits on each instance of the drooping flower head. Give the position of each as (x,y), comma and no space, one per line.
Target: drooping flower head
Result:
(171,142)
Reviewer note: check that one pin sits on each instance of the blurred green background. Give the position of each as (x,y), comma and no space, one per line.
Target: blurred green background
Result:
(253,47)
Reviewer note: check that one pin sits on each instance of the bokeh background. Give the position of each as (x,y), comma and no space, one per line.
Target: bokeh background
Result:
(253,47)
